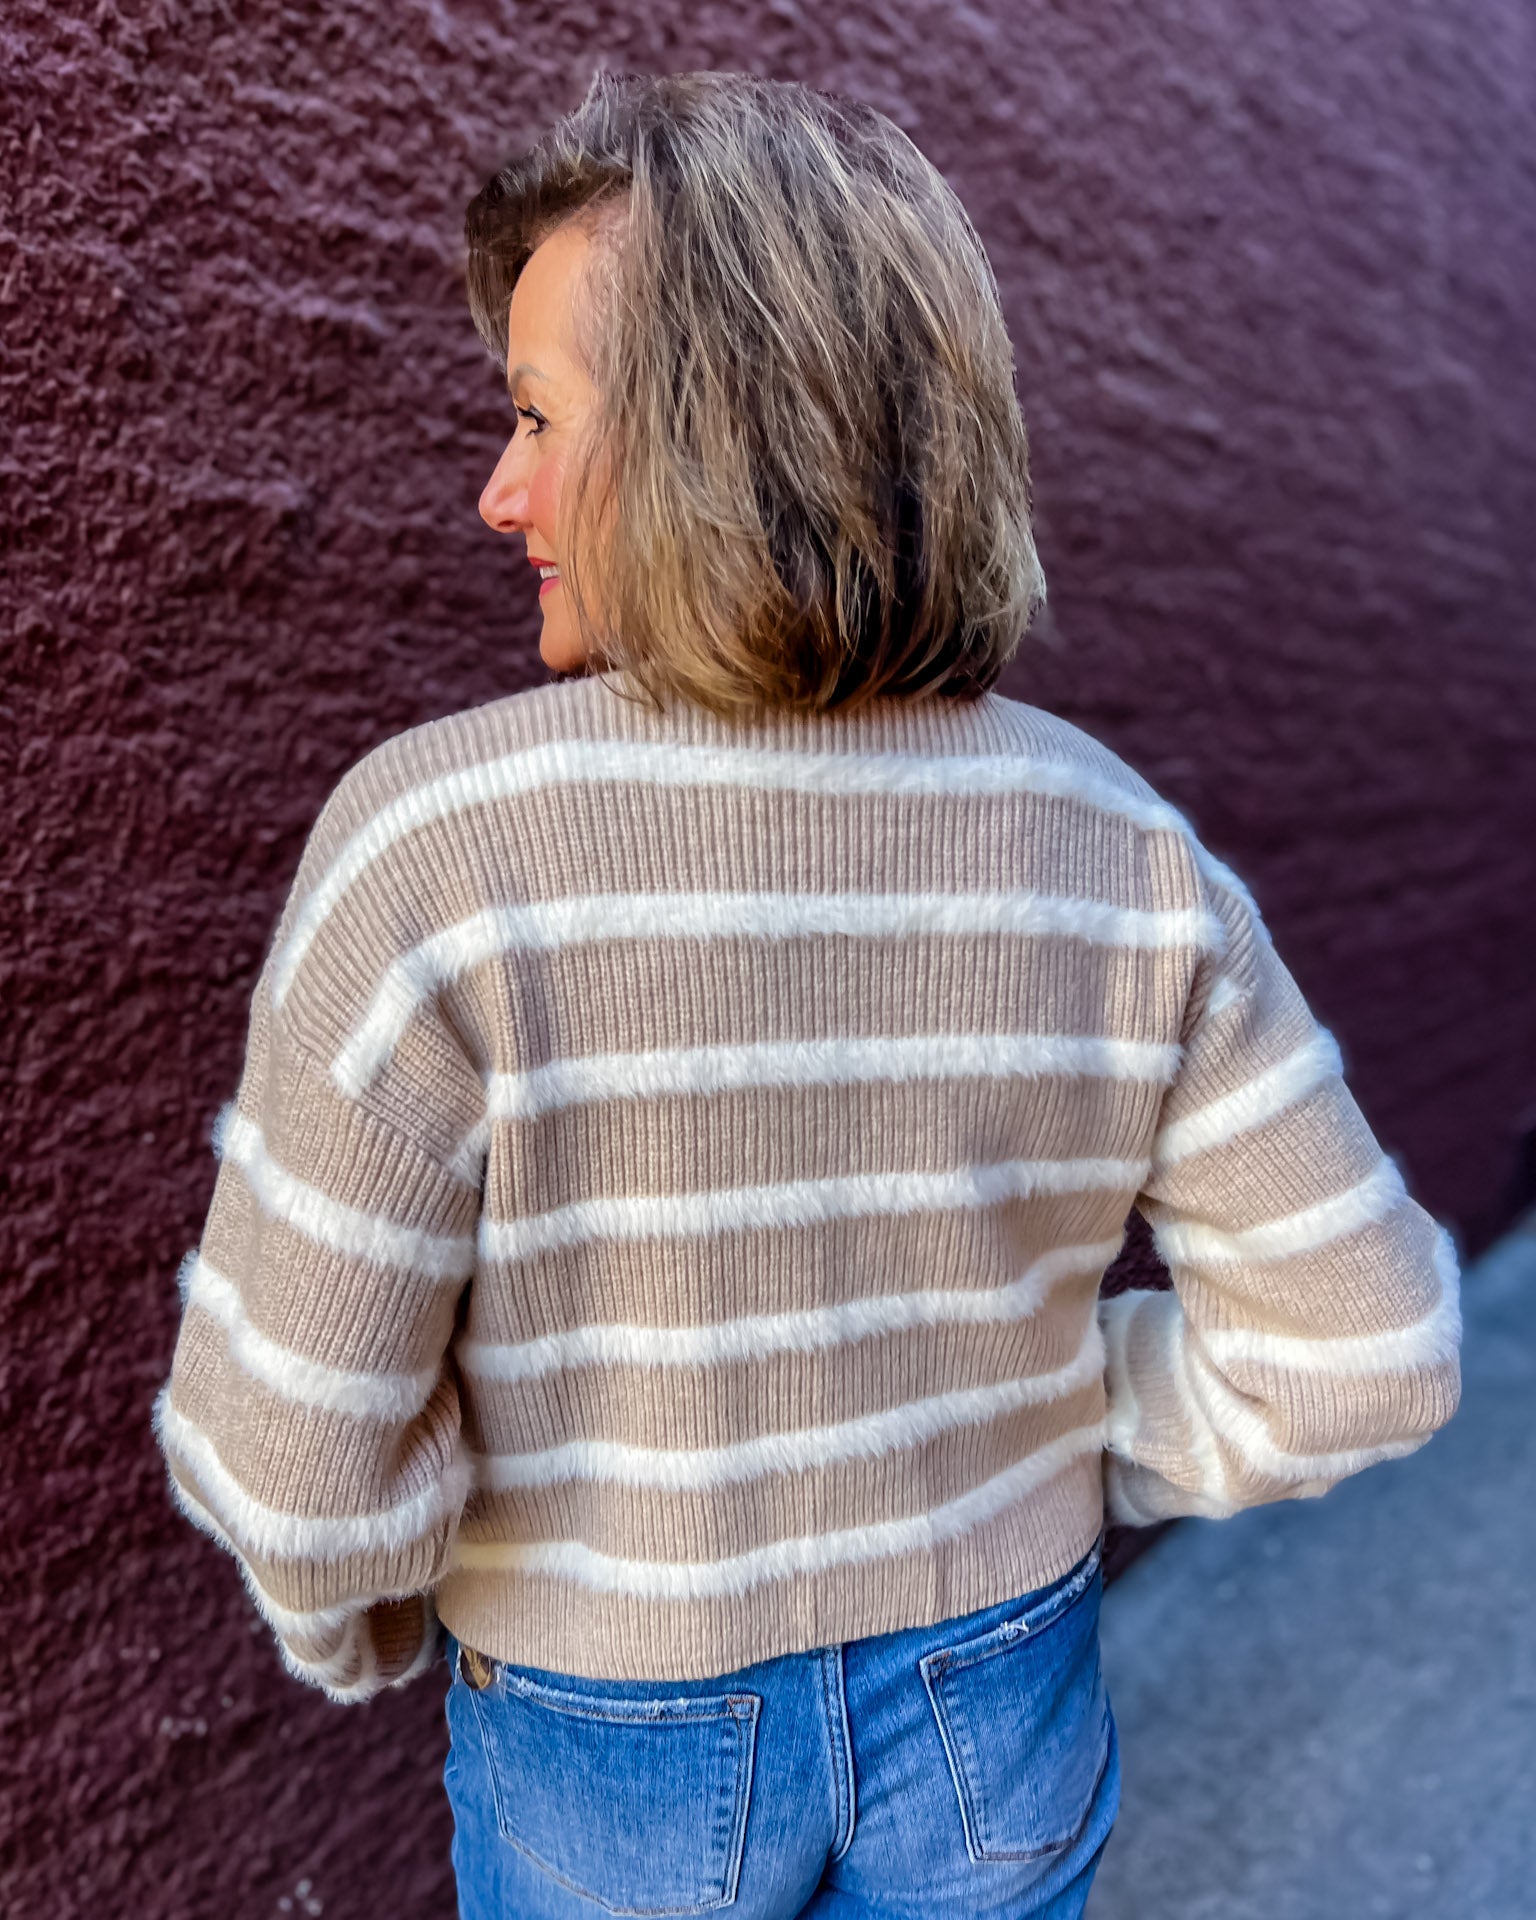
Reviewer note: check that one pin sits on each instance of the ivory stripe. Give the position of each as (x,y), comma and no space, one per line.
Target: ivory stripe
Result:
(329,1223)
(839,1061)
(412,979)
(1225,991)
(1120,1503)
(1122,1416)
(275,1535)
(796,1203)
(753,1336)
(782,1559)
(869,1437)
(659,764)
(310,1383)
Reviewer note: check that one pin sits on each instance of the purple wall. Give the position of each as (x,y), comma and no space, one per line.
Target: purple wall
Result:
(1269,276)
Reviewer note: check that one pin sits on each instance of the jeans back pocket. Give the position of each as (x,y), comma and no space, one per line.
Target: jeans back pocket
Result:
(1024,1717)
(640,1803)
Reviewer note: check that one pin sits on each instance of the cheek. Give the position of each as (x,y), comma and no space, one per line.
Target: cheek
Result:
(544,498)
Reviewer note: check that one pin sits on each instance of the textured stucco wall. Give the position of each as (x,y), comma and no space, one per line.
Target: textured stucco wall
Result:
(1269,273)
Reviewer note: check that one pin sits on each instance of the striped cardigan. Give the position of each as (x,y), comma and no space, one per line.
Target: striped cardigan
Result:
(660,1222)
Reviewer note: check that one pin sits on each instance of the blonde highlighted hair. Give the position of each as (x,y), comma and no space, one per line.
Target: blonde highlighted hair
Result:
(813,464)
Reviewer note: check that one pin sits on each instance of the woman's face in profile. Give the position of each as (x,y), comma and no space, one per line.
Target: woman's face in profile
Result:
(554,399)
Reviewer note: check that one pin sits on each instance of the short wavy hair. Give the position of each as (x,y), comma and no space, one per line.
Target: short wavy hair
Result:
(811,444)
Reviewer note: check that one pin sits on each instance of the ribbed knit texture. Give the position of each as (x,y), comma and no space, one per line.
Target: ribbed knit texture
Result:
(660,1222)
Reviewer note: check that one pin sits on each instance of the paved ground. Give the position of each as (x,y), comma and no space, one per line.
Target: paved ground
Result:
(1327,1708)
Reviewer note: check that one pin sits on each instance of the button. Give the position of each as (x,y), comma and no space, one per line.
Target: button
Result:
(476,1669)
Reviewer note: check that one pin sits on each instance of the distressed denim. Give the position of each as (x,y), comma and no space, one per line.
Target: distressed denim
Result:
(964,1769)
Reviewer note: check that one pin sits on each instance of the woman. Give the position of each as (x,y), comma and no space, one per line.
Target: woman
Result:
(688,1115)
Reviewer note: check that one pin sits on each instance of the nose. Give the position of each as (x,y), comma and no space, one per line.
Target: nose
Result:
(504,500)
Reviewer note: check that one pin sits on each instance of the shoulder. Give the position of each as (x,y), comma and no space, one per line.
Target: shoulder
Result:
(375,854)
(450,745)
(1180,866)
(422,773)
(1052,737)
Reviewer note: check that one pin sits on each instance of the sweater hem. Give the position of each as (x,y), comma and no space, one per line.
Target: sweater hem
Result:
(546,1622)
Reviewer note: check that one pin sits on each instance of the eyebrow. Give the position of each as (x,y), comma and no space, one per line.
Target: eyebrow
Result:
(519,370)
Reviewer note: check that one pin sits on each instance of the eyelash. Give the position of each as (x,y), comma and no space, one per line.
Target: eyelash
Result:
(531,413)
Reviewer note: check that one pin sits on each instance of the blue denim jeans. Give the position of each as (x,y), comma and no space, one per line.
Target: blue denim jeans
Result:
(963,1769)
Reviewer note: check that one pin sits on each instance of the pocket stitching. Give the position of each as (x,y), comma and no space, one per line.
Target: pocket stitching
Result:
(742,1710)
(964,1796)
(964,1654)
(621,1710)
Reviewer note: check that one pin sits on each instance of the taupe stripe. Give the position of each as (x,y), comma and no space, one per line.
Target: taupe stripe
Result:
(314,1298)
(773,1393)
(305,1585)
(539,1619)
(721,1276)
(690,1143)
(302,1460)
(657,1523)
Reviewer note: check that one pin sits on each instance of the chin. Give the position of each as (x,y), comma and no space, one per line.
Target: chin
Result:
(561,656)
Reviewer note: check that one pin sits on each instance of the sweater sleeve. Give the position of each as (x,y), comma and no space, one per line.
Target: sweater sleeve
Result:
(310,1423)
(1314,1324)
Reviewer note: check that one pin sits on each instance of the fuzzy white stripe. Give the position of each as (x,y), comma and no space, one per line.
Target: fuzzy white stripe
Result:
(1123,1414)
(331,1223)
(415,977)
(310,1383)
(1205,1455)
(795,1203)
(782,1559)
(806,1330)
(1233,1416)
(838,1060)
(286,1623)
(869,1437)
(526,770)
(1193,1242)
(1218,1410)
(283,1620)
(355,1656)
(274,1534)
(1425,1343)
(1221,1121)
(1221,995)
(1121,1504)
